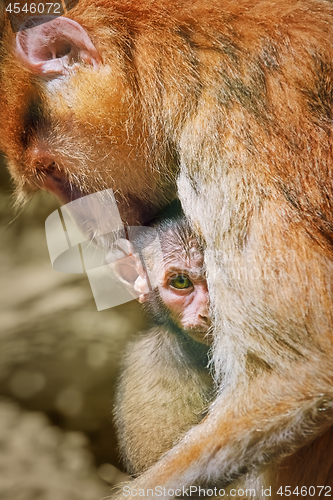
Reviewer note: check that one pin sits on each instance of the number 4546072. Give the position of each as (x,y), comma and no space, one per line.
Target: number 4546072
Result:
(304,491)
(33,8)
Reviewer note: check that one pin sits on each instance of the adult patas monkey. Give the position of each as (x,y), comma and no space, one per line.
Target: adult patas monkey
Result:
(230,103)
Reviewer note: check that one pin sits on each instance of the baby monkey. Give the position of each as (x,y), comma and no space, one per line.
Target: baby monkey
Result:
(165,386)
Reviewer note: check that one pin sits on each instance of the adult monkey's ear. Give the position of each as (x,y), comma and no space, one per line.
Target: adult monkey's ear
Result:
(53,47)
(127,266)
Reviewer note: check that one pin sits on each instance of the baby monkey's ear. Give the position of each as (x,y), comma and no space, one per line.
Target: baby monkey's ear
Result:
(56,46)
(127,266)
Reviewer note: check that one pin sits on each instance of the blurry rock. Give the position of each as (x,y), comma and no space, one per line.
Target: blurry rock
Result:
(41,462)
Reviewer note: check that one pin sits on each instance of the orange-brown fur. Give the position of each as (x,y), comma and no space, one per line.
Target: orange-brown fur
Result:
(230,103)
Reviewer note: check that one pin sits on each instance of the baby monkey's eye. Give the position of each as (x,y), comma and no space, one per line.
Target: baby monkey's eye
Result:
(180,282)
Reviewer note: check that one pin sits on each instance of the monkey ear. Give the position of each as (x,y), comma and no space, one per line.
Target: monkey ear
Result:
(127,266)
(54,47)
(141,288)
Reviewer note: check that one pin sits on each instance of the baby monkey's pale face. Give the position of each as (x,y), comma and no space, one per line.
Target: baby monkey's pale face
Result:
(182,287)
(170,279)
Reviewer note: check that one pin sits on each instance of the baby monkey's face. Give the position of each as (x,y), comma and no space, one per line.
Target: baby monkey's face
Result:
(169,280)
(182,287)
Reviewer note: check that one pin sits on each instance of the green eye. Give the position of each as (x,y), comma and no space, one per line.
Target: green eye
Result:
(181,282)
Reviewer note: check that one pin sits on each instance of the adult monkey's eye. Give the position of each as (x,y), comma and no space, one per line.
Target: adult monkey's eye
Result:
(181,282)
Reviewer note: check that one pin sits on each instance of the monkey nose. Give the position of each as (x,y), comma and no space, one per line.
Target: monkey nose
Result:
(45,167)
(43,161)
(204,317)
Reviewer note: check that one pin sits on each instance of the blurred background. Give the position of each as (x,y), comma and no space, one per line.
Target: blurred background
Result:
(59,363)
